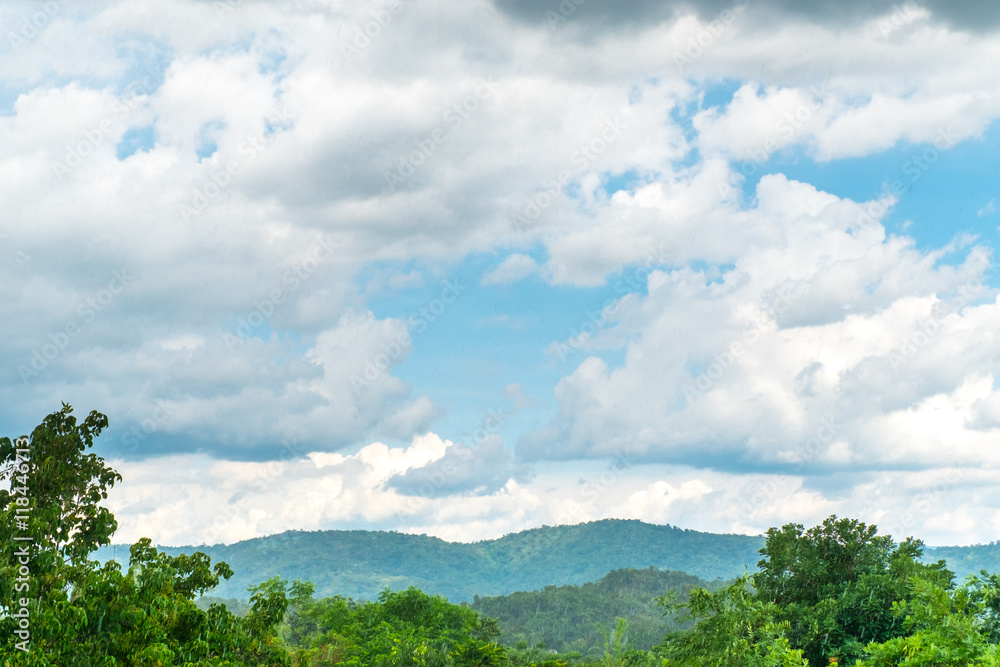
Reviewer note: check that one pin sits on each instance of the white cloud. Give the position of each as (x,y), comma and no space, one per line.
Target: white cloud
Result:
(839,322)
(514,268)
(190,499)
(818,319)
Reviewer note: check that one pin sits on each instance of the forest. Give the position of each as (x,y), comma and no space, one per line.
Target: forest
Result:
(833,594)
(360,564)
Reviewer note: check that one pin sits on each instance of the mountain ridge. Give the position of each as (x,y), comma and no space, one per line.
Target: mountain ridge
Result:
(360,563)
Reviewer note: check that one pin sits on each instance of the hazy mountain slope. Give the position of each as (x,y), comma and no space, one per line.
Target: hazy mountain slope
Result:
(967,560)
(360,564)
(570,618)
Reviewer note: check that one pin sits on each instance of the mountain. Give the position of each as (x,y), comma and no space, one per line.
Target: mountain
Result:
(967,560)
(571,618)
(359,564)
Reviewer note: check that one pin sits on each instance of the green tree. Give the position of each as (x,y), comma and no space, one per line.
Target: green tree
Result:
(86,615)
(402,629)
(836,584)
(572,618)
(944,628)
(616,644)
(733,628)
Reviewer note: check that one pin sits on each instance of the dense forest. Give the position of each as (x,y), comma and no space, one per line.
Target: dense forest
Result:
(572,619)
(833,594)
(360,564)
(577,618)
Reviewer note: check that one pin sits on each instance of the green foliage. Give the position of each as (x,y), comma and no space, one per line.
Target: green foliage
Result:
(569,618)
(237,607)
(837,593)
(733,628)
(943,628)
(984,594)
(967,560)
(360,564)
(402,629)
(615,644)
(836,584)
(84,614)
(63,485)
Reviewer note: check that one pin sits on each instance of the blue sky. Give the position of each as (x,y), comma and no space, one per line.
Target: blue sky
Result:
(465,269)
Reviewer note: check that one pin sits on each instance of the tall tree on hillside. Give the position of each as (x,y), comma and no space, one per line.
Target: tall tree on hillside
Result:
(733,628)
(401,629)
(836,585)
(59,608)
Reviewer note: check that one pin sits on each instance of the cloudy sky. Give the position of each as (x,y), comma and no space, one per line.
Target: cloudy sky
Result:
(468,267)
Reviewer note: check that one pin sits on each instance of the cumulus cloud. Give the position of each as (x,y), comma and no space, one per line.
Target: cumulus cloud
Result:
(479,470)
(191,499)
(981,15)
(513,268)
(817,319)
(205,209)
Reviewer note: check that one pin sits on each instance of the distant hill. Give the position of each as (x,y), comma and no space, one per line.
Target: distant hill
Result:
(359,564)
(570,618)
(967,560)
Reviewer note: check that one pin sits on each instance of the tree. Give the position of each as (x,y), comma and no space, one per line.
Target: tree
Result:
(79,613)
(945,628)
(733,628)
(616,644)
(836,584)
(402,629)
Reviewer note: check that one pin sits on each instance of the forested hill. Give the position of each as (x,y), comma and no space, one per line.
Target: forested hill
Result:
(571,618)
(360,564)
(967,560)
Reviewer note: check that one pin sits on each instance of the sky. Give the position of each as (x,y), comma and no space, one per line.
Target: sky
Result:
(464,268)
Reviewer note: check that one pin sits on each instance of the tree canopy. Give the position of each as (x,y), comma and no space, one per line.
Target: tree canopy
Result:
(58,608)
(834,594)
(836,584)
